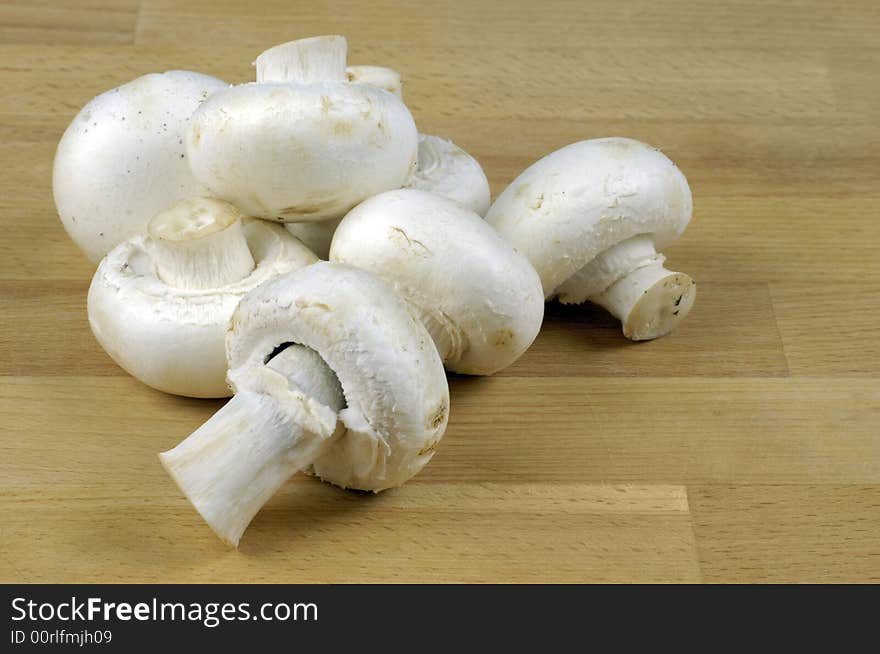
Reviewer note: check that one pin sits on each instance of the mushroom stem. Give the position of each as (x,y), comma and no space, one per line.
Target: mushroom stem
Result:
(629,280)
(387,79)
(317,59)
(231,465)
(199,244)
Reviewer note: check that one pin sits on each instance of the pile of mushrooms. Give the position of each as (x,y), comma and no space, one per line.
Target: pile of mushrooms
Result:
(296,242)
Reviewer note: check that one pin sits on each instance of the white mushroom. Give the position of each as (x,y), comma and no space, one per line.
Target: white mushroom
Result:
(122,158)
(591,218)
(443,169)
(480,299)
(302,143)
(333,375)
(160,304)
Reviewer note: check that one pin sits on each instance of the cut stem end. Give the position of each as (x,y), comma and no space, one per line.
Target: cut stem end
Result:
(230,466)
(306,61)
(629,280)
(649,301)
(200,244)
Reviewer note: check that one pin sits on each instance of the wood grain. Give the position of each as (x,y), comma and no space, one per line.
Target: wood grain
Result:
(68,21)
(743,447)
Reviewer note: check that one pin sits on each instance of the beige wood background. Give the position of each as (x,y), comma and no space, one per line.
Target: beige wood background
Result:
(743,447)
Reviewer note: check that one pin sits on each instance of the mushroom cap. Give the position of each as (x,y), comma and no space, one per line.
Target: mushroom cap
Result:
(447,170)
(577,202)
(174,339)
(121,160)
(301,152)
(454,268)
(397,398)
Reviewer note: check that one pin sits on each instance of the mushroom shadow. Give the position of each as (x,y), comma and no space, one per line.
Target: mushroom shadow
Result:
(303,507)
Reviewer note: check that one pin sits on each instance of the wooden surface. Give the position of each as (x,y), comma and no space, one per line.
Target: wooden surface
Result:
(743,447)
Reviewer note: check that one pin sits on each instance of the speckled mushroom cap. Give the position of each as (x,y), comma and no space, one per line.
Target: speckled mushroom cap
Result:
(480,299)
(397,398)
(306,148)
(122,158)
(170,338)
(577,202)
